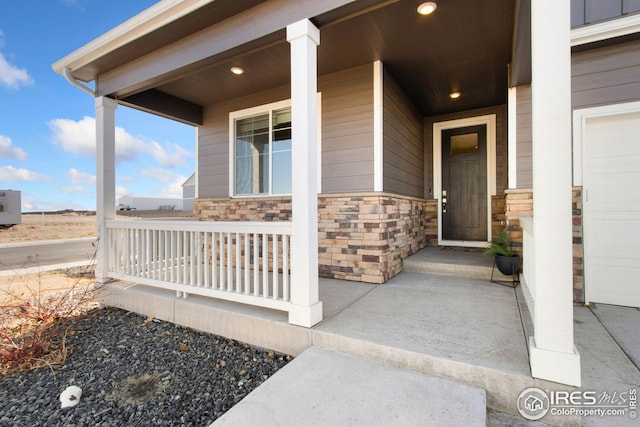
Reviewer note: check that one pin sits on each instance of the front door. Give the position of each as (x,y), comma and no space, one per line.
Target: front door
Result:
(464,183)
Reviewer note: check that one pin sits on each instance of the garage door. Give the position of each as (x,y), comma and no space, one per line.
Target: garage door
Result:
(611,208)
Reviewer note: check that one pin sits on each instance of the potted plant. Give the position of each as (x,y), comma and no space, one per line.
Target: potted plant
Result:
(506,259)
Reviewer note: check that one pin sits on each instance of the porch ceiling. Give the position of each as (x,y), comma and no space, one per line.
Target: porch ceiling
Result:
(463,46)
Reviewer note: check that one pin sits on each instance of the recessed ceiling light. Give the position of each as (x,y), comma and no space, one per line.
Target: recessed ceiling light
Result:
(427,8)
(237,70)
(454,95)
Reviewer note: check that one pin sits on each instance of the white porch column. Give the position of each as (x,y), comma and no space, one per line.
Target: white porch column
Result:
(105,178)
(304,38)
(512,114)
(553,355)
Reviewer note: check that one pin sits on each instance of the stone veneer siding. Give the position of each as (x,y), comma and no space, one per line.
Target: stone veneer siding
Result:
(578,251)
(519,203)
(361,236)
(498,220)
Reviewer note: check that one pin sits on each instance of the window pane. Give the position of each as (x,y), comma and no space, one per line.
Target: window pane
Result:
(281,180)
(463,144)
(282,140)
(252,155)
(282,129)
(282,172)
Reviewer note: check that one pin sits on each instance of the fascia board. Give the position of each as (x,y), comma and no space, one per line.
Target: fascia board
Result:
(142,24)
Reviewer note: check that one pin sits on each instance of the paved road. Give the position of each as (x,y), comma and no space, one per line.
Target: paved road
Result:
(35,254)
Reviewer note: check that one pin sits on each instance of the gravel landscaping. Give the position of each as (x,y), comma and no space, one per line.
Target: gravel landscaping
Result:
(136,371)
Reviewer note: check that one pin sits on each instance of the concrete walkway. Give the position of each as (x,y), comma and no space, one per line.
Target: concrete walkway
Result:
(325,388)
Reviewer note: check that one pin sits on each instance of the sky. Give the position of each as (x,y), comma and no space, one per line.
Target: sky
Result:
(47,126)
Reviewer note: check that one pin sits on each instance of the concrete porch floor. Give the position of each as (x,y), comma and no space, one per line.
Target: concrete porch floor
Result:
(457,328)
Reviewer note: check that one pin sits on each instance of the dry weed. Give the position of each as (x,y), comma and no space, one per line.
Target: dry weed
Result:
(34,324)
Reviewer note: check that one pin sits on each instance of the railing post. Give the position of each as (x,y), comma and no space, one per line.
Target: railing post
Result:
(306,309)
(105,180)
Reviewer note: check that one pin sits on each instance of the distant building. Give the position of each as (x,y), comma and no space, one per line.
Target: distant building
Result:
(141,203)
(10,208)
(188,193)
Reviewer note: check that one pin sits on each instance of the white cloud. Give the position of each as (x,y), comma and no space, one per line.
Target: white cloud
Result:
(171,155)
(29,203)
(9,173)
(79,137)
(13,153)
(77,177)
(12,76)
(75,189)
(173,181)
(121,191)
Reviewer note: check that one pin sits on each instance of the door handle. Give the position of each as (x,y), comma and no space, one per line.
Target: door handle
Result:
(444,201)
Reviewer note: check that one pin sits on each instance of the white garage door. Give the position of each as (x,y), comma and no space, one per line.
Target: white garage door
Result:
(611,203)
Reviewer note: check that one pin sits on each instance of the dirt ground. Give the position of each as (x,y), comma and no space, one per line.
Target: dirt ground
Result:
(50,226)
(23,286)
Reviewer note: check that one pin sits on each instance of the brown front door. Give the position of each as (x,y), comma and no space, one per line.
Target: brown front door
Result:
(464,183)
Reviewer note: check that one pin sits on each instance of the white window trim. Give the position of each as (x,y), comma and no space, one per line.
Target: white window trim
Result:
(605,30)
(252,111)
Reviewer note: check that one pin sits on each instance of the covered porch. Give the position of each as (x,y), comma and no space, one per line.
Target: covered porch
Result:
(178,65)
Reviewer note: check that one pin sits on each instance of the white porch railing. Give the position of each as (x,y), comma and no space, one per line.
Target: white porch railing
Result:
(528,278)
(246,262)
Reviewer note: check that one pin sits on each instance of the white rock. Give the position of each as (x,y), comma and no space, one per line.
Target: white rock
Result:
(70,396)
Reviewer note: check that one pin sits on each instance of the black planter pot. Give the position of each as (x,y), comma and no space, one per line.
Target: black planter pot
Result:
(508,265)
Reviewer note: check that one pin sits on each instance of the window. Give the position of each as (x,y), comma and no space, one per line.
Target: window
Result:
(463,144)
(262,150)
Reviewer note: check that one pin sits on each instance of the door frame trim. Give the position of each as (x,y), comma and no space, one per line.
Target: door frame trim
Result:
(489,121)
(581,117)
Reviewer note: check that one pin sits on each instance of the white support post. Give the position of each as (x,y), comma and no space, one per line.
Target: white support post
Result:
(378,126)
(553,355)
(105,179)
(512,114)
(304,38)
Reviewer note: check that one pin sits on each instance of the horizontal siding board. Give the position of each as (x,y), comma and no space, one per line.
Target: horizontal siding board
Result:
(605,58)
(607,95)
(347,155)
(409,166)
(606,75)
(347,114)
(524,159)
(615,77)
(347,130)
(352,168)
(397,132)
(403,142)
(356,183)
(402,175)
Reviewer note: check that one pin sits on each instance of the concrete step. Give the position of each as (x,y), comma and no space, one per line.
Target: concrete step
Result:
(443,261)
(328,388)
